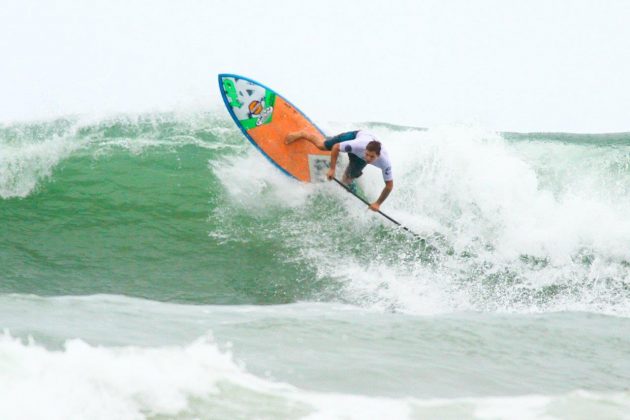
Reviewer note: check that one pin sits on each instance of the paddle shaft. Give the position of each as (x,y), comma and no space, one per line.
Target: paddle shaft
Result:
(382,214)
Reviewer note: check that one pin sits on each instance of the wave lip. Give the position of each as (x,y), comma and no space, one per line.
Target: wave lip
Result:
(24,164)
(29,152)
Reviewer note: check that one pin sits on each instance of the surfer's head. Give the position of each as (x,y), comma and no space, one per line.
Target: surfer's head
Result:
(372,151)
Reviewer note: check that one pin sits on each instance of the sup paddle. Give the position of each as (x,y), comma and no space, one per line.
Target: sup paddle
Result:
(381,213)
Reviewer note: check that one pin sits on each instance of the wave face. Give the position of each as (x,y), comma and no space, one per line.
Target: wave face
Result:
(181,208)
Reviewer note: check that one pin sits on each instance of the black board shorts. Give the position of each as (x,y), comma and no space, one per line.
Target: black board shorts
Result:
(356,165)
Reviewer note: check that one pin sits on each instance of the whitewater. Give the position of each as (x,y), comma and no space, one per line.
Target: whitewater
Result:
(157,266)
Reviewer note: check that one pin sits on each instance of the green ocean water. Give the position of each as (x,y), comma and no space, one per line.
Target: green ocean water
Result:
(166,246)
(122,218)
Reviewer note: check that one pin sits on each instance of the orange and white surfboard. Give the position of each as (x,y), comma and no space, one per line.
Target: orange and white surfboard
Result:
(266,118)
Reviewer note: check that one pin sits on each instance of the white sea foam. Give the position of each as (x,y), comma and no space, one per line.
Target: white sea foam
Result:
(253,181)
(486,198)
(83,381)
(200,381)
(479,188)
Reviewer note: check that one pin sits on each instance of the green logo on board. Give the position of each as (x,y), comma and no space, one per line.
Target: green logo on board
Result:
(251,103)
(230,92)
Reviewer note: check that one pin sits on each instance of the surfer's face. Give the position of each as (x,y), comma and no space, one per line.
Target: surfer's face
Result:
(370,156)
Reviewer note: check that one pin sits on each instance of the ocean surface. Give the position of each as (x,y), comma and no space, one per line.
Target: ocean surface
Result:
(157,266)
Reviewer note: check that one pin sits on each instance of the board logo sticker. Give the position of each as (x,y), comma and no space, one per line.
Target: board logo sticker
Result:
(251,103)
(255,107)
(318,167)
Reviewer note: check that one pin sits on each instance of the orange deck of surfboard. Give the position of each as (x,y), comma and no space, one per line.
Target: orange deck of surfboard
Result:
(266,118)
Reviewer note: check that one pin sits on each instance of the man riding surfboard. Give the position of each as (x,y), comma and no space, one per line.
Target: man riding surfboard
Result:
(362,149)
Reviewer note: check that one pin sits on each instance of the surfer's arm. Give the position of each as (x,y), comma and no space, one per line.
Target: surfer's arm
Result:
(389,186)
(333,161)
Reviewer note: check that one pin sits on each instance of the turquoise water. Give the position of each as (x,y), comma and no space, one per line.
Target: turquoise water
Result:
(157,266)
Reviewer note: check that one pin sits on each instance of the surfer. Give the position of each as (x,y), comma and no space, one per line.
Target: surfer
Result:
(362,149)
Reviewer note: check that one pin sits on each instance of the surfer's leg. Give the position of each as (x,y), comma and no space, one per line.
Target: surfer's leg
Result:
(347,179)
(331,141)
(291,137)
(355,167)
(353,171)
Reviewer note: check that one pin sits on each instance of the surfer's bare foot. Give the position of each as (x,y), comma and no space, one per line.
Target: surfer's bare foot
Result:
(291,137)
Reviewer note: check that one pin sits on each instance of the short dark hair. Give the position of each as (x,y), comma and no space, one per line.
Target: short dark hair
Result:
(374,146)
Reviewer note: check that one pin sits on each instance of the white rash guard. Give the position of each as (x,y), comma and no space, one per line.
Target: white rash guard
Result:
(357,147)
